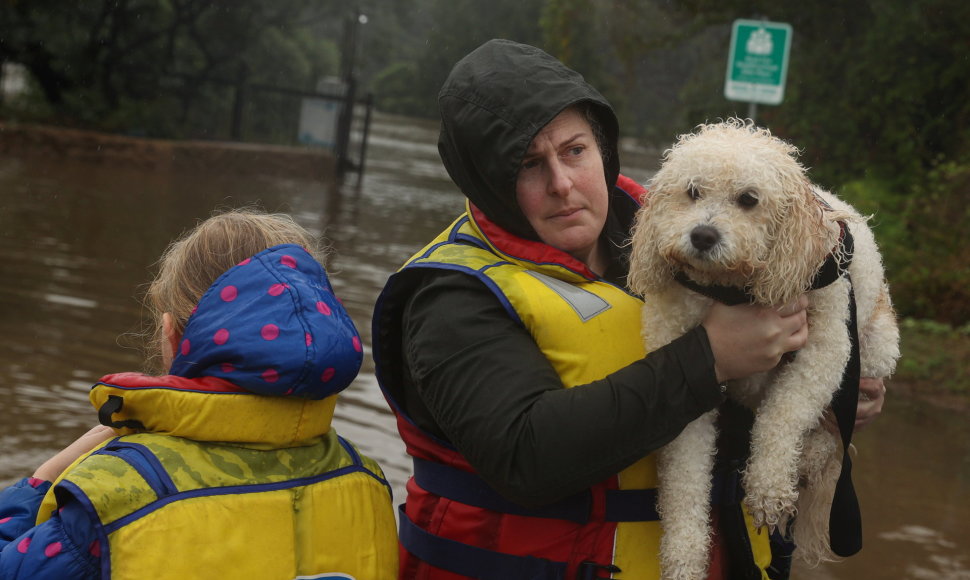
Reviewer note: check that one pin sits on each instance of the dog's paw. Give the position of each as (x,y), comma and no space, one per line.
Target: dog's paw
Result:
(772,511)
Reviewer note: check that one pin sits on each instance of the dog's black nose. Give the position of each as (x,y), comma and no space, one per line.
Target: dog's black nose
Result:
(704,237)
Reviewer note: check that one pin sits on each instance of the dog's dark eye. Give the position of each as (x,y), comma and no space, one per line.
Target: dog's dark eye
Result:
(747,200)
(693,192)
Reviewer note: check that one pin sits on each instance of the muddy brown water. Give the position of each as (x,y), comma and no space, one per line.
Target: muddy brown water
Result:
(77,241)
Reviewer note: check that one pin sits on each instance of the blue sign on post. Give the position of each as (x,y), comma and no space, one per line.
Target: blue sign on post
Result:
(758,61)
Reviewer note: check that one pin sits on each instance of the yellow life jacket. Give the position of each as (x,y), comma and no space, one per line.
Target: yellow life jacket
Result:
(587,328)
(312,507)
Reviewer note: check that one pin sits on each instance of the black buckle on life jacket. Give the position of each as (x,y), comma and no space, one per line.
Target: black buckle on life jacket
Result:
(112,406)
(590,571)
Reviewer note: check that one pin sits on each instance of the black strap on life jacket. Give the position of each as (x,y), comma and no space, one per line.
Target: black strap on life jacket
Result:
(472,561)
(468,488)
(485,564)
(112,406)
(622,505)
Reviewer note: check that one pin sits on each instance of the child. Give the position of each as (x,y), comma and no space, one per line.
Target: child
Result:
(227,466)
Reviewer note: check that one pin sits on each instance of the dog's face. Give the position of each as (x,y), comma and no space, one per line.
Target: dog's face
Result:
(728,204)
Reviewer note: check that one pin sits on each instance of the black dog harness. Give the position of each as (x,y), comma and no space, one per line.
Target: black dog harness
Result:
(845,519)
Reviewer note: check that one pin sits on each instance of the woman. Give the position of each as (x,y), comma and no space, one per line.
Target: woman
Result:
(523,295)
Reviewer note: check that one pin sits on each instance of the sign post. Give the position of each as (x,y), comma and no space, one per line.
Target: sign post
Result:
(757,64)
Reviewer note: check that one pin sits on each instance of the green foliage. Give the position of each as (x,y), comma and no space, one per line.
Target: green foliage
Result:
(568,33)
(458,27)
(933,273)
(876,94)
(155,66)
(392,89)
(884,96)
(876,97)
(933,360)
(919,231)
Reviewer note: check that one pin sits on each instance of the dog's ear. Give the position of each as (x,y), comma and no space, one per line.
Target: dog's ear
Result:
(649,272)
(801,242)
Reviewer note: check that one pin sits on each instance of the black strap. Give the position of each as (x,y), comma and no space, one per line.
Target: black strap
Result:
(473,561)
(724,294)
(837,263)
(112,406)
(622,505)
(845,518)
(834,267)
(631,505)
(733,443)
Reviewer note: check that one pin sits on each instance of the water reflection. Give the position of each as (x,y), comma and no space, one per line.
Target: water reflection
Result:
(913,478)
(77,242)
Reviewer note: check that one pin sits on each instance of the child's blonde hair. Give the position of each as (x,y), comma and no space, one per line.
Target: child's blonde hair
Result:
(190,265)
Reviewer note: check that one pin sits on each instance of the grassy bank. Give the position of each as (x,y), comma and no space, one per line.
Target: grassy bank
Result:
(933,365)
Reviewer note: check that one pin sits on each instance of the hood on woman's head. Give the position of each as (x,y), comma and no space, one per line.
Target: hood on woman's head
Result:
(492,105)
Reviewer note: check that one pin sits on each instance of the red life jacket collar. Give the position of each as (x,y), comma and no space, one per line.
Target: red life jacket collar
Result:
(521,249)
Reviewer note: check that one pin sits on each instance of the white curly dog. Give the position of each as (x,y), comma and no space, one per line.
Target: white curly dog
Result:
(732,207)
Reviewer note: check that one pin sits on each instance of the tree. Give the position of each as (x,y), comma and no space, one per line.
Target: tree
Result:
(873,87)
(108,63)
(442,32)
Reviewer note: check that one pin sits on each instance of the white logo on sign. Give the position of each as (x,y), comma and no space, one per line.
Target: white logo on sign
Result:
(760,42)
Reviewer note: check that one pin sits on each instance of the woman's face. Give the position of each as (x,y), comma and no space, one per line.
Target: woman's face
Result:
(561,188)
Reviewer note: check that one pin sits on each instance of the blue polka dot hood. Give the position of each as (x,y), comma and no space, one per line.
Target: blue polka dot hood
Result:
(272,325)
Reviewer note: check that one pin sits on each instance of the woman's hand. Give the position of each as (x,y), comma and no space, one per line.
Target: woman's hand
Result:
(53,467)
(872,395)
(748,339)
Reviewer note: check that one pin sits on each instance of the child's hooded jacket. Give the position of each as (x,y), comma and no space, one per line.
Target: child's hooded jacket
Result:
(228,463)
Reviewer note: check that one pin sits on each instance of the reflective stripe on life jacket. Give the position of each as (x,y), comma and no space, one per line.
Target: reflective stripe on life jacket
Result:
(561,307)
(451,519)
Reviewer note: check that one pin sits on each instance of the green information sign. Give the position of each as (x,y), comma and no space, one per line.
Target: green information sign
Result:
(758,61)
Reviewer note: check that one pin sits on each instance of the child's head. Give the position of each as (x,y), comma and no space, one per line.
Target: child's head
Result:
(190,265)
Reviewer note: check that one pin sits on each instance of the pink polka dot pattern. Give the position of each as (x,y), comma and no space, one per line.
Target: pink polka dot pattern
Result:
(270,332)
(229,293)
(244,262)
(52,549)
(35,482)
(5,520)
(272,327)
(23,545)
(95,549)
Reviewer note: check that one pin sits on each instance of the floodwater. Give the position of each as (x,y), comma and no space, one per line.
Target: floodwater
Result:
(77,242)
